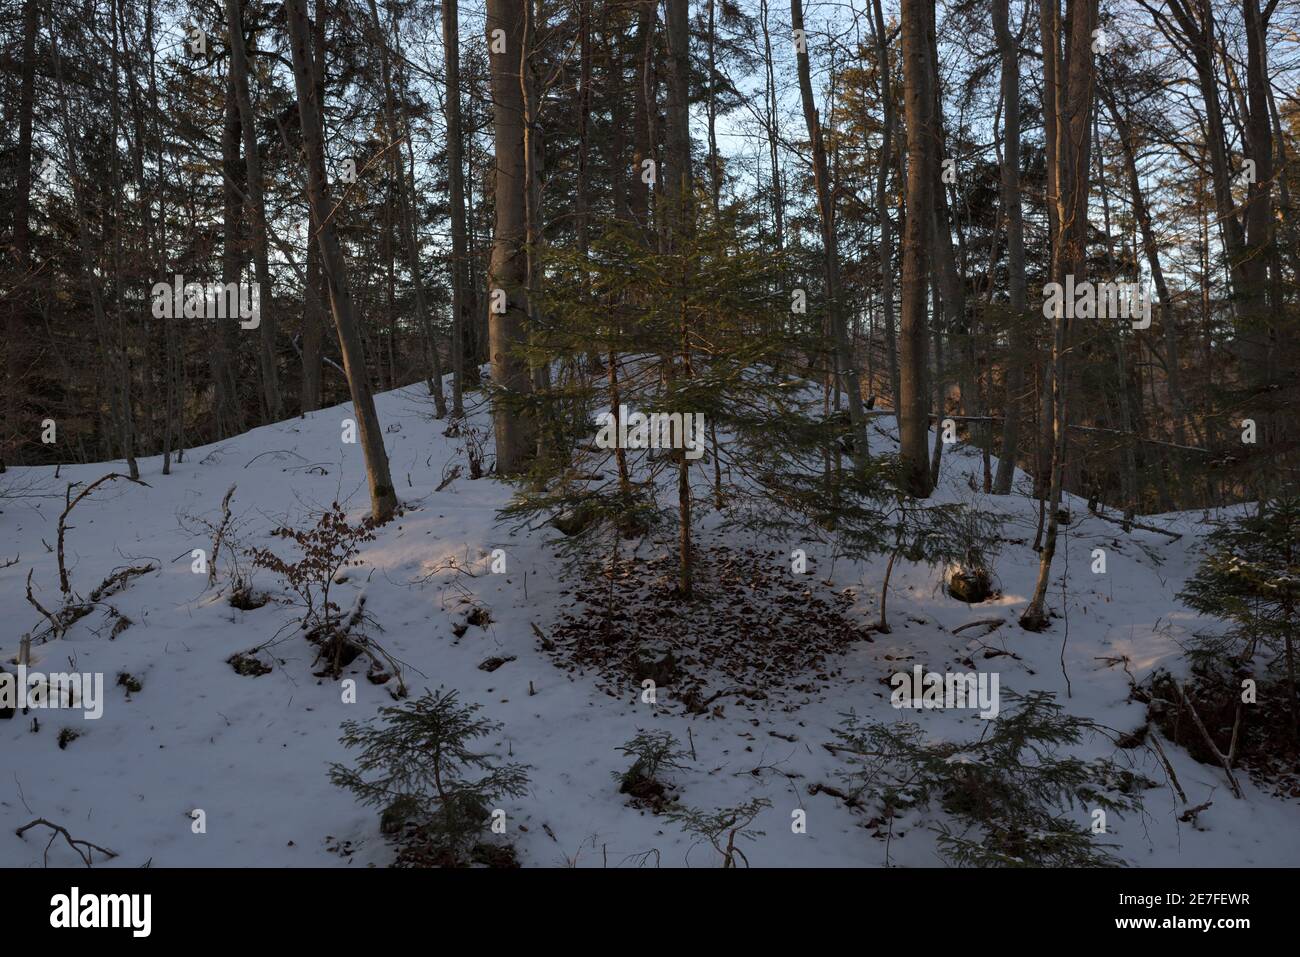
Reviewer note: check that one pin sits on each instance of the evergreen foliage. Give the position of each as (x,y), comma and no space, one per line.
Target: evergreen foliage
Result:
(654,751)
(727,346)
(1250,576)
(1008,791)
(414,763)
(721,827)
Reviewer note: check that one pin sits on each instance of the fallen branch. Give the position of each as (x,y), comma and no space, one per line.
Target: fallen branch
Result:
(118,579)
(273,452)
(940,416)
(1123,523)
(547,644)
(990,623)
(74,611)
(848,799)
(1224,760)
(1169,768)
(71,503)
(54,622)
(332,637)
(448,478)
(86,856)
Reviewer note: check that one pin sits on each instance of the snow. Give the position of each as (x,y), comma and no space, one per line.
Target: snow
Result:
(253,753)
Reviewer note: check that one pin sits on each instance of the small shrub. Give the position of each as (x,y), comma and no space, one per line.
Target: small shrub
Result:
(720,828)
(413,766)
(653,752)
(327,549)
(476,442)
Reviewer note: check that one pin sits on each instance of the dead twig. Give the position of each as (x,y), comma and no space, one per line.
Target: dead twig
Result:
(448,476)
(1154,738)
(1190,814)
(1130,523)
(116,581)
(848,799)
(1224,759)
(547,644)
(54,622)
(990,623)
(273,452)
(220,535)
(71,503)
(86,855)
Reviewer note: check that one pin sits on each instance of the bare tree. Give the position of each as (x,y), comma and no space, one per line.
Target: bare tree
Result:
(508,269)
(886,89)
(1013,217)
(383,498)
(914,392)
(255,194)
(846,373)
(1068,95)
(456,196)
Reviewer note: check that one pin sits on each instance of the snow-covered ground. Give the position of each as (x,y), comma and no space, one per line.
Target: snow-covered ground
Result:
(253,752)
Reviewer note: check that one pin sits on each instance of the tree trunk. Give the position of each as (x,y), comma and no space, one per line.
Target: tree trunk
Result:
(642,118)
(1069,115)
(772,121)
(1166,315)
(715,172)
(406,207)
(847,366)
(272,400)
(1013,216)
(677,136)
(914,393)
(531,96)
(456,197)
(383,499)
(507,271)
(313,310)
(679,225)
(225,348)
(883,70)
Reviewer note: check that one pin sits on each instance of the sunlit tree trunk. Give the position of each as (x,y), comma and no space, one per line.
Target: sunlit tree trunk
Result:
(508,269)
(383,498)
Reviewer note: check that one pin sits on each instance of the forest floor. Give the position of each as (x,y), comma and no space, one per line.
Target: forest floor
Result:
(253,752)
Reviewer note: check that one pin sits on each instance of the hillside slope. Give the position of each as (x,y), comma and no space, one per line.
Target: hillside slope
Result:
(253,752)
